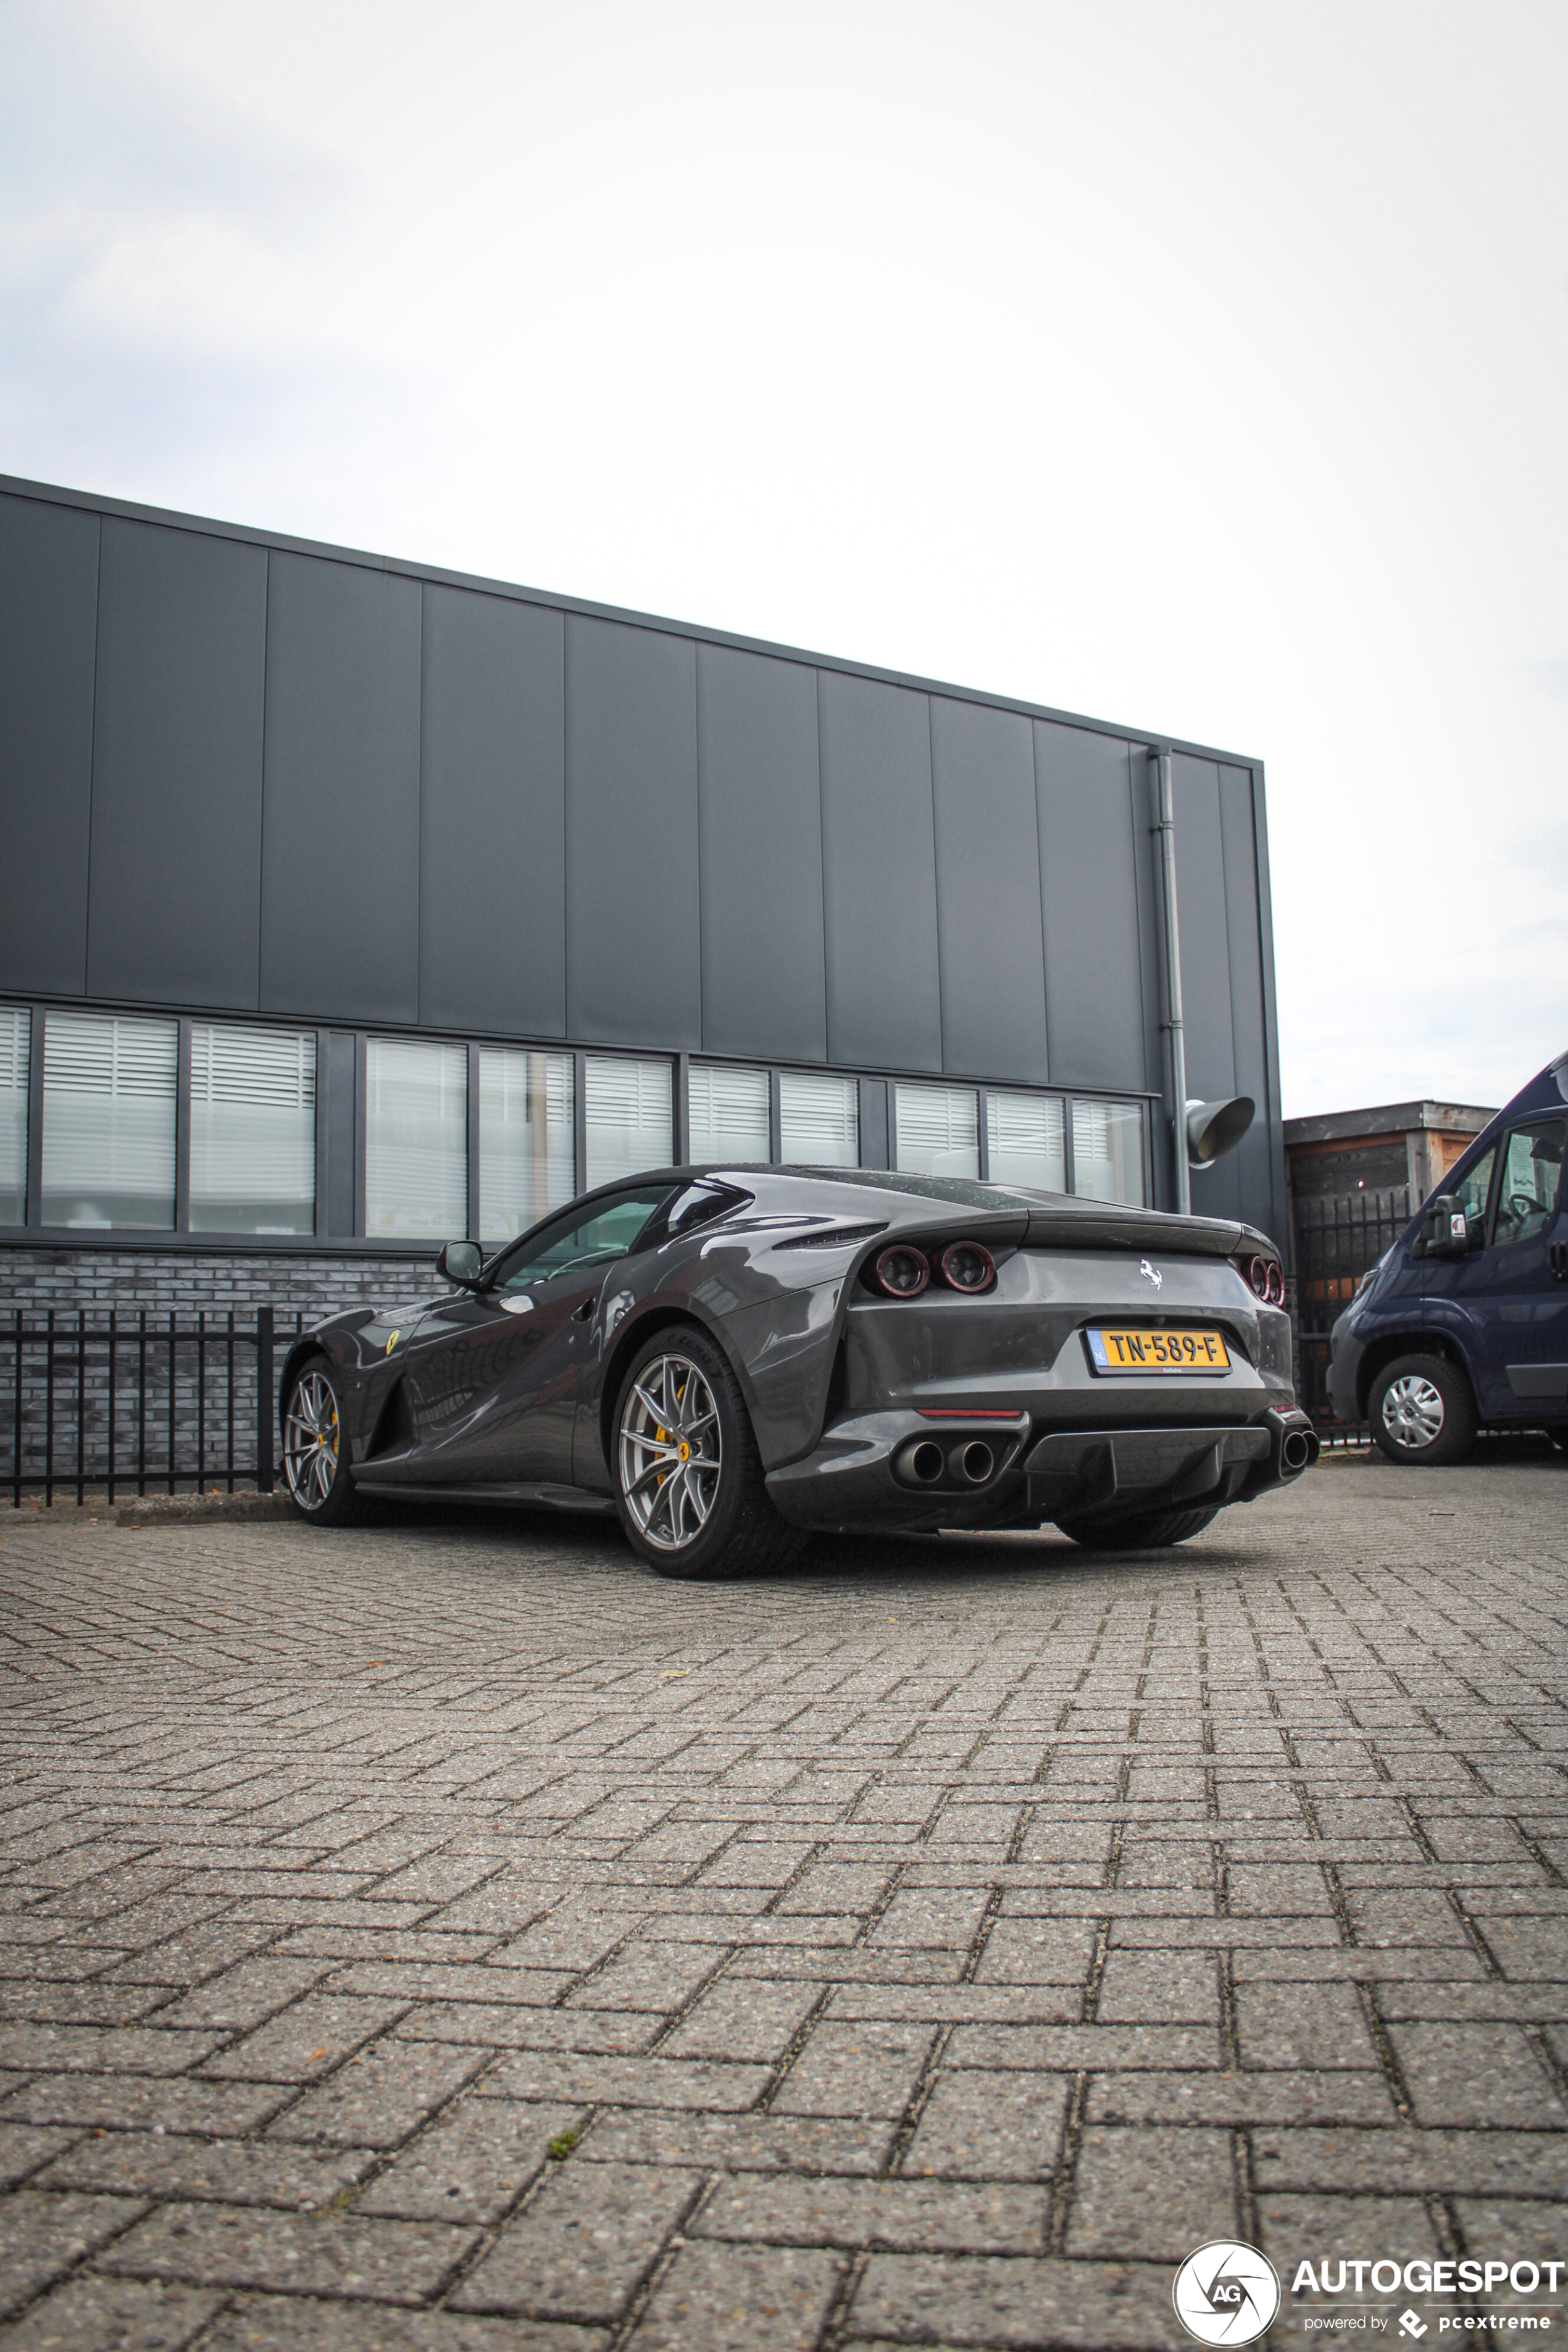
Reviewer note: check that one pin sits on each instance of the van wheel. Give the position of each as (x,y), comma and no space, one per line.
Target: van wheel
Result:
(1422,1412)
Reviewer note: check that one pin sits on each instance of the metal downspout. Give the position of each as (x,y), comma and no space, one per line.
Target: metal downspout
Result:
(1166,829)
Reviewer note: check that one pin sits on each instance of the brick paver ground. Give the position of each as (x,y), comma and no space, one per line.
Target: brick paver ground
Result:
(448,1935)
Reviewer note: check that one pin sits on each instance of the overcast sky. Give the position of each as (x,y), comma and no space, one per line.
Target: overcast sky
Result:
(1196,367)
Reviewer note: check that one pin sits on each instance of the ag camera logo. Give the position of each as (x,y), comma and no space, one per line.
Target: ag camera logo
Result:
(1227,2293)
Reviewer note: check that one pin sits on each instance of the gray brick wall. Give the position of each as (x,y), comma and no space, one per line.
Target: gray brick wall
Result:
(187,1284)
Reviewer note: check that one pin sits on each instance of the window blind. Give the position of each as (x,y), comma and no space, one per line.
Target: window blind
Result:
(629,1113)
(728,1113)
(1025,1140)
(253,1131)
(938,1131)
(819,1120)
(1108,1151)
(108,1120)
(15,1051)
(527,1145)
(415,1139)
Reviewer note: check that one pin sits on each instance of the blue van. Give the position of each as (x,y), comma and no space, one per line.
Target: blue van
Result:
(1463,1324)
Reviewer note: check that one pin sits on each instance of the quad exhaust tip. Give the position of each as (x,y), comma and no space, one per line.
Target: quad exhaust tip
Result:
(975,1462)
(925,1463)
(1297,1450)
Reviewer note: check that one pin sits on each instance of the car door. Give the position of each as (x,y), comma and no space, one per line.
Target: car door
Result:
(1503,1303)
(492,1382)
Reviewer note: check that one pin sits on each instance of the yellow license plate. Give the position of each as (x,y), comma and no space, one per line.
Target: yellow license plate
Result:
(1140,1350)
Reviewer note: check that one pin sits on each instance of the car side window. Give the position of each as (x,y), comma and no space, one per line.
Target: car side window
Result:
(1529,1184)
(1471,1190)
(591,1237)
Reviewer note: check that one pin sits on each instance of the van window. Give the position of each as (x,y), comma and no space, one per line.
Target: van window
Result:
(1531,1173)
(1472,1190)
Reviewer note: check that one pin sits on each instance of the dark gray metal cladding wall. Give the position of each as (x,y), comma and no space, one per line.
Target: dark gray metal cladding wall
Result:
(1093,884)
(1249,1020)
(340,845)
(492,815)
(760,834)
(176,770)
(988,891)
(1206,1003)
(633,953)
(48,624)
(879,871)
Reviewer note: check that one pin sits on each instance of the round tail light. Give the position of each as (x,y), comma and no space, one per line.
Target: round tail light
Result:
(1257,1275)
(1276,1284)
(967,1265)
(903,1273)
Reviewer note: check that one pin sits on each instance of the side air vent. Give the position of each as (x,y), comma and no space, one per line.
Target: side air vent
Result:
(831,1237)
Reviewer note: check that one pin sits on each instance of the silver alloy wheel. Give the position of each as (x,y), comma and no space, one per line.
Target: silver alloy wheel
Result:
(670,1452)
(310,1440)
(1412,1413)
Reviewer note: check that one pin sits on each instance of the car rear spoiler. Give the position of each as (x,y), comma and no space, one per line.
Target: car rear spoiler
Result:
(1103,1226)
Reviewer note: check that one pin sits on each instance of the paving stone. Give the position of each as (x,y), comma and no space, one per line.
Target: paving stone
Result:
(714,2298)
(472,2164)
(1177,1987)
(302,2254)
(108,2314)
(26,2148)
(907,2216)
(43,2237)
(243,2173)
(1151,2195)
(583,2245)
(741,2017)
(867,2068)
(125,2102)
(101,2050)
(305,2042)
(655,2082)
(1302,2025)
(246,1995)
(380,2096)
(1477,2075)
(1099,2306)
(987,2126)
(288,2324)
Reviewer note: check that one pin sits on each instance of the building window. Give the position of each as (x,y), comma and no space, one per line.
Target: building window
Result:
(16,1049)
(1108,1151)
(819,1120)
(415,1139)
(253,1131)
(109,1121)
(1025,1141)
(938,1131)
(631,1117)
(527,1139)
(728,1114)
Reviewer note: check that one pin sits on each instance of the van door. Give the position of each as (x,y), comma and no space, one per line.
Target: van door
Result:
(1503,1305)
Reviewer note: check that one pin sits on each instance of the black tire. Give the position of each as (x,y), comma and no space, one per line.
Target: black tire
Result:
(1422,1412)
(1137,1530)
(315,1449)
(707,1514)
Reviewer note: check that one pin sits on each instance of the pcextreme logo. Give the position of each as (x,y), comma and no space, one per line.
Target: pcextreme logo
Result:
(1227,2293)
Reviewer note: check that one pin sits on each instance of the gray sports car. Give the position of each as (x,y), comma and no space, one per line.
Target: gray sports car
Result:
(732,1356)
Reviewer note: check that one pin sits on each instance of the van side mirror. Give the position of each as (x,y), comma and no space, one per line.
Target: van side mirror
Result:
(1447,1232)
(460,1262)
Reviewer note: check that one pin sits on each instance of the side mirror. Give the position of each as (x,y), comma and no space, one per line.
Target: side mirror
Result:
(460,1262)
(1447,1232)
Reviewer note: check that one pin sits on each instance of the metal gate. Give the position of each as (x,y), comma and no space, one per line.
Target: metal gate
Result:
(1336,1242)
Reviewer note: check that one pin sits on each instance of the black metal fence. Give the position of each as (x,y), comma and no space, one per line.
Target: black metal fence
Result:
(1336,1242)
(138,1405)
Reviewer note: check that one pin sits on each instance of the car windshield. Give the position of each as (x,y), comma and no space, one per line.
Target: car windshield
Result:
(576,1242)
